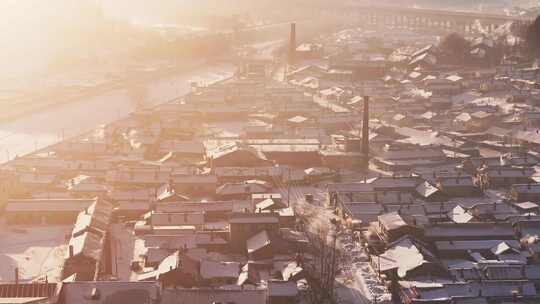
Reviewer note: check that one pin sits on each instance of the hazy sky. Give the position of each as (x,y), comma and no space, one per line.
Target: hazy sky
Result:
(33,30)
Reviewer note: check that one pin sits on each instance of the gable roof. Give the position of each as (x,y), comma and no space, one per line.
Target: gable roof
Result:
(405,254)
(224,150)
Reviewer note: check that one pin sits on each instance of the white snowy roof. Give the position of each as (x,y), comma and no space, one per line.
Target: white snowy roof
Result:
(258,241)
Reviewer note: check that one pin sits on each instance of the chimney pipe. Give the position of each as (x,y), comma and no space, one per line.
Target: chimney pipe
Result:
(365,132)
(292,44)
(70,251)
(16,276)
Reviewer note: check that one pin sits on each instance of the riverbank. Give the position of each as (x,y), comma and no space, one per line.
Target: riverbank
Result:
(140,80)
(31,132)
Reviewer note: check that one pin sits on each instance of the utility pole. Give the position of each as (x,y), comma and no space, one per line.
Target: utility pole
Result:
(365,134)
(379,265)
(115,241)
(289,189)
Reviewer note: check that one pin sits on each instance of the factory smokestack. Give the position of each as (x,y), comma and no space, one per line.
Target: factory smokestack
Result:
(292,44)
(365,131)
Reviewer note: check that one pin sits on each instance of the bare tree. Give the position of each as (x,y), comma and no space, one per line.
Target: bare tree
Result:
(321,271)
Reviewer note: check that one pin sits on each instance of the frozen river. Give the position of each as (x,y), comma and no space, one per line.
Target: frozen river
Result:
(25,134)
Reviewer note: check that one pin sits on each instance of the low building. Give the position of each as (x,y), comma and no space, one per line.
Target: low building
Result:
(525,192)
(219,273)
(236,155)
(406,258)
(178,270)
(87,249)
(502,176)
(45,211)
(468,231)
(243,226)
(283,292)
(461,249)
(392,226)
(194,184)
(242,190)
(458,186)
(157,219)
(361,212)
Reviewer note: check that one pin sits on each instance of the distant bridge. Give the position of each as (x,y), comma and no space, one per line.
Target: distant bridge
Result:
(417,18)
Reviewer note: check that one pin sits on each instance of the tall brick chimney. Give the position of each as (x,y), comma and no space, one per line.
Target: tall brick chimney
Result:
(365,131)
(292,44)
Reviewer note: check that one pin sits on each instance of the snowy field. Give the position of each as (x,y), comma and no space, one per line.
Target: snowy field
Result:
(37,251)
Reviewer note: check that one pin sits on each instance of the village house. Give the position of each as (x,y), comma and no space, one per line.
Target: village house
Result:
(140,177)
(242,190)
(243,226)
(526,207)
(392,226)
(492,212)
(458,186)
(87,249)
(407,258)
(525,192)
(299,153)
(364,66)
(443,86)
(460,249)
(196,184)
(468,231)
(156,219)
(33,181)
(45,211)
(214,273)
(404,157)
(236,155)
(282,292)
(193,150)
(502,176)
(360,213)
(178,269)
(85,186)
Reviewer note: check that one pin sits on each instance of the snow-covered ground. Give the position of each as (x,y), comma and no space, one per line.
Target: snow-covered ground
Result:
(37,251)
(358,282)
